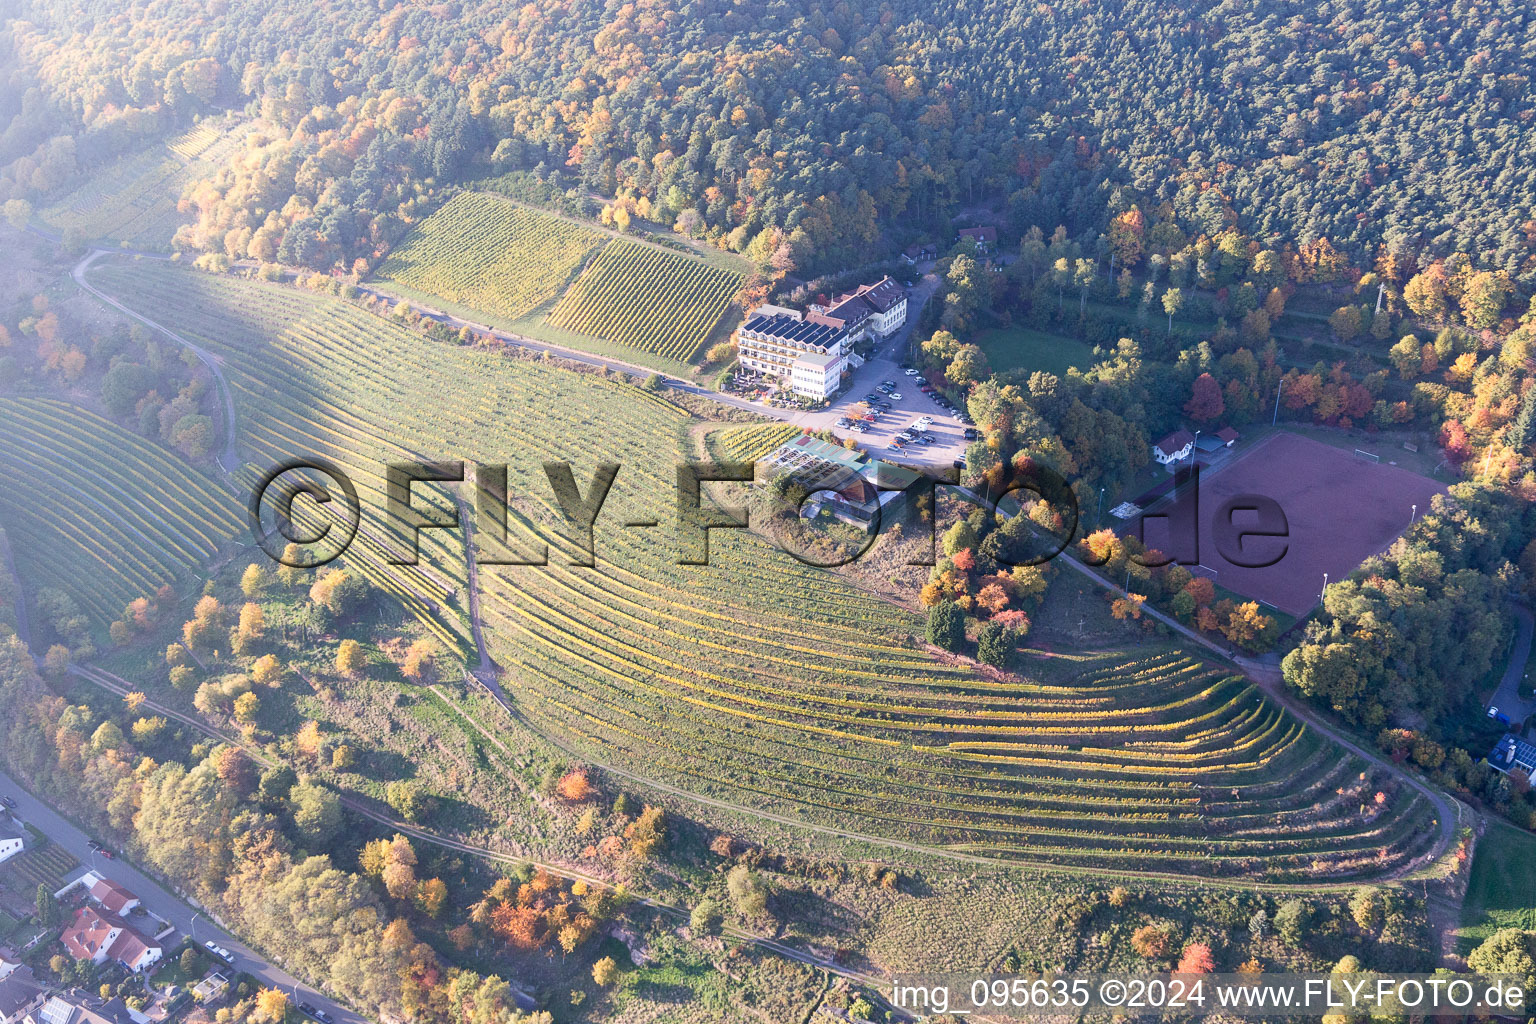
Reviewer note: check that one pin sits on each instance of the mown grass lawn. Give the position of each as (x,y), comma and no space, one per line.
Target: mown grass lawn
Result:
(1009,348)
(1503,881)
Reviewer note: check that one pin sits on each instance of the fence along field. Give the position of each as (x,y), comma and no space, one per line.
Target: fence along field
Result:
(768,683)
(647,299)
(133,199)
(100,512)
(484,253)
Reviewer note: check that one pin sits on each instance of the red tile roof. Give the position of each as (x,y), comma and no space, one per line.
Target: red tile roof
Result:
(87,933)
(91,929)
(1175,442)
(113,897)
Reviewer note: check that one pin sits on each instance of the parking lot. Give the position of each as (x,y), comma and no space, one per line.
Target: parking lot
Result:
(907,404)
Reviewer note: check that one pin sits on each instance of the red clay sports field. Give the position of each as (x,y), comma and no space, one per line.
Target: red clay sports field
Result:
(1341,508)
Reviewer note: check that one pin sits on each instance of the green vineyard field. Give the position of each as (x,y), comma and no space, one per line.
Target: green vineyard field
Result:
(99,512)
(749,443)
(647,299)
(761,681)
(133,200)
(489,254)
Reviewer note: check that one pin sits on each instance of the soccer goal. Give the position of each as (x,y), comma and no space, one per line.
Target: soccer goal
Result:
(1367,456)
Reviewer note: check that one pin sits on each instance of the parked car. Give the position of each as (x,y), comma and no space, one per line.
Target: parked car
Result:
(972,434)
(9,801)
(220,951)
(844,421)
(926,389)
(959,463)
(929,439)
(321,1016)
(888,383)
(105,852)
(909,371)
(860,427)
(920,379)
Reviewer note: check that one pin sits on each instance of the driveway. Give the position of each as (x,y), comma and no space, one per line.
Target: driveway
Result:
(154,897)
(1507,697)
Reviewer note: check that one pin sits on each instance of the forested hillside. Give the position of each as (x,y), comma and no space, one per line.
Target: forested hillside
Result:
(808,137)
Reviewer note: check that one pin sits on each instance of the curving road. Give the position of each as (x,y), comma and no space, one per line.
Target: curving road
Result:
(229,458)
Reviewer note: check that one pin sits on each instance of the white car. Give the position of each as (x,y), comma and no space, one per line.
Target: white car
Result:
(220,952)
(895,396)
(910,372)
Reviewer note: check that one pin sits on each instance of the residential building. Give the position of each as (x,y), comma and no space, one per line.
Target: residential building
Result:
(1176,447)
(11,842)
(1513,754)
(98,936)
(984,237)
(19,995)
(915,254)
(113,898)
(75,1007)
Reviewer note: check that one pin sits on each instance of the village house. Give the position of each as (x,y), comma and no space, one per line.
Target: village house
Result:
(19,994)
(99,936)
(111,897)
(984,237)
(76,1007)
(1176,447)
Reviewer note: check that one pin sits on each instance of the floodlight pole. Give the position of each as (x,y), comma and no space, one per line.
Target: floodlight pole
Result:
(1324,595)
(1098,517)
(1276,417)
(1413,515)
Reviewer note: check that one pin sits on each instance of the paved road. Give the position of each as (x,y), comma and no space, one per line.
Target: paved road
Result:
(155,897)
(1267,676)
(1507,697)
(229,458)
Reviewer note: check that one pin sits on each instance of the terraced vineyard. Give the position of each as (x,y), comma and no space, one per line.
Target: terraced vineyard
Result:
(133,199)
(771,685)
(647,299)
(99,512)
(482,253)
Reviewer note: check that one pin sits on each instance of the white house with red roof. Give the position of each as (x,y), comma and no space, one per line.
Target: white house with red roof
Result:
(99,936)
(113,898)
(1176,447)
